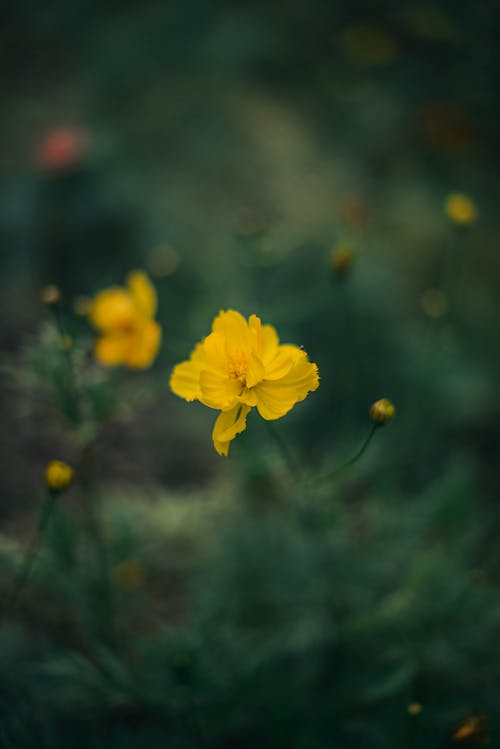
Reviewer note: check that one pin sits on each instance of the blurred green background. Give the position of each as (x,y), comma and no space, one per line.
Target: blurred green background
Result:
(236,150)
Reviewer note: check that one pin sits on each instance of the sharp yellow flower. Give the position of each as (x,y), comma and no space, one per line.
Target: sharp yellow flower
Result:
(124,318)
(241,364)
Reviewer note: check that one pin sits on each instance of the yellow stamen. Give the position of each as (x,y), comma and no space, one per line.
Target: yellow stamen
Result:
(238,365)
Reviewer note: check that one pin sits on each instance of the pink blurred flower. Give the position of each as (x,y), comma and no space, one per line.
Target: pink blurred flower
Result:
(62,148)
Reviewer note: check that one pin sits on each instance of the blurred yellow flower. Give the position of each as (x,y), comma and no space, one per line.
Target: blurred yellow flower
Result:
(415,708)
(241,364)
(58,475)
(473,726)
(124,318)
(460,208)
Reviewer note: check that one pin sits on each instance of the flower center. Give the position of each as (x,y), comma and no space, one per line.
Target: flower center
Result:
(237,364)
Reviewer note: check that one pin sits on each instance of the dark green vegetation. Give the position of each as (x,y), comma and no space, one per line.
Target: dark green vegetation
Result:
(229,148)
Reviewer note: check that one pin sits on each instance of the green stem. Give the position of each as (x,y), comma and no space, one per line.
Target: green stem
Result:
(285,450)
(104,588)
(73,389)
(34,547)
(350,462)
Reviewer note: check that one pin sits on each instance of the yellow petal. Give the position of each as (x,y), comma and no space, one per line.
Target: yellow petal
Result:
(285,359)
(264,338)
(248,397)
(111,350)
(218,390)
(276,397)
(143,346)
(185,380)
(213,351)
(227,425)
(142,292)
(255,370)
(270,343)
(234,328)
(255,328)
(112,309)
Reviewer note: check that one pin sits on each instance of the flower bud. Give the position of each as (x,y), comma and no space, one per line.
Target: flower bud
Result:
(58,475)
(50,295)
(415,708)
(382,411)
(341,260)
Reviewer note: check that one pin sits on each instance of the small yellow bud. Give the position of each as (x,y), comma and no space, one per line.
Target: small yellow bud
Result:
(460,208)
(50,295)
(382,411)
(58,475)
(128,574)
(341,260)
(415,708)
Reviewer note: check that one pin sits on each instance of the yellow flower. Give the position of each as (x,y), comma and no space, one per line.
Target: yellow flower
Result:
(460,208)
(58,475)
(241,364)
(124,318)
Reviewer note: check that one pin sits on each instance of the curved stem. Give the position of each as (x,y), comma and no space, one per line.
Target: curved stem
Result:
(285,450)
(350,462)
(34,547)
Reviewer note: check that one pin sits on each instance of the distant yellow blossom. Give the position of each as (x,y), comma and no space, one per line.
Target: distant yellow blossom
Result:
(415,708)
(58,475)
(124,318)
(460,208)
(241,364)
(128,574)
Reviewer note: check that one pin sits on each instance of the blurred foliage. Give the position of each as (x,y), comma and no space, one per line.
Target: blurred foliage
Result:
(292,159)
